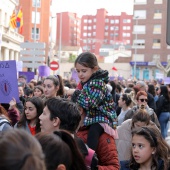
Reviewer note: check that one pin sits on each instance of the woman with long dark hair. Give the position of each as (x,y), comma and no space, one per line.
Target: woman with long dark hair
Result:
(163,110)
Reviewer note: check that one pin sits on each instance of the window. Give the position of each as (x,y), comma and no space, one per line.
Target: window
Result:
(156,56)
(89,27)
(89,34)
(126,21)
(140,1)
(38,3)
(139,29)
(89,21)
(112,28)
(112,21)
(140,14)
(84,34)
(37,34)
(157,14)
(126,34)
(94,26)
(94,20)
(37,17)
(106,27)
(106,20)
(156,43)
(158,2)
(116,21)
(85,20)
(85,27)
(139,42)
(126,27)
(157,29)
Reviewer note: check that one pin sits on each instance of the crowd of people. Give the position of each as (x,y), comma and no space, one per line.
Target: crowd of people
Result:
(96,124)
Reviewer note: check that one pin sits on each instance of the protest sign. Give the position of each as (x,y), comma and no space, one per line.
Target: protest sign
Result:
(29,75)
(43,71)
(8,81)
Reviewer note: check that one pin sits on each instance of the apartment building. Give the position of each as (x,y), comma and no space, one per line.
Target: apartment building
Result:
(104,29)
(149,38)
(68,27)
(10,39)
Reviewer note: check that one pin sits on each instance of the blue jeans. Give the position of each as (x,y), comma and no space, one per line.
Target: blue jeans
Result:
(163,120)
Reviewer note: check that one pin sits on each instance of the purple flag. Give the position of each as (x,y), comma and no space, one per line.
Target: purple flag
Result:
(8,81)
(29,75)
(74,75)
(111,78)
(167,80)
(44,71)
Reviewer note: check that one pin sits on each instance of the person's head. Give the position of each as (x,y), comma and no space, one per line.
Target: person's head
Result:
(19,150)
(148,147)
(38,91)
(141,85)
(141,98)
(22,79)
(3,111)
(33,109)
(34,82)
(53,86)
(61,152)
(164,91)
(124,100)
(151,89)
(140,118)
(28,93)
(86,64)
(59,114)
(21,91)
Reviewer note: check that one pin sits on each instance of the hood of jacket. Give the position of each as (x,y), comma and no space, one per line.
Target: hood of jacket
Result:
(99,74)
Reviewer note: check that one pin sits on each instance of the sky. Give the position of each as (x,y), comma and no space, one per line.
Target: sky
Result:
(83,7)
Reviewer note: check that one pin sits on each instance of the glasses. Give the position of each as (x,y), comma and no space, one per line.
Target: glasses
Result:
(142,100)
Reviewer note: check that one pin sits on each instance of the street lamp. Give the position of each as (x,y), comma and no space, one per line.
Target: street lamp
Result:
(135,53)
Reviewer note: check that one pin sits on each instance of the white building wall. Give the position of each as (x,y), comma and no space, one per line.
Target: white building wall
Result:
(10,45)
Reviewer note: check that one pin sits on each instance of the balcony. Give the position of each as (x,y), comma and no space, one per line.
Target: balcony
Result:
(10,35)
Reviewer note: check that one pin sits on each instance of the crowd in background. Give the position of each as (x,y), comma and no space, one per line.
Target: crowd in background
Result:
(96,124)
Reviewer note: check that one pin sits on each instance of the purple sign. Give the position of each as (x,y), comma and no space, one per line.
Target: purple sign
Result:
(8,81)
(44,71)
(29,75)
(111,78)
(74,75)
(167,80)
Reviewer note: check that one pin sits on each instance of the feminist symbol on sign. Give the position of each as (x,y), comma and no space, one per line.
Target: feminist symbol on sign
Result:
(5,87)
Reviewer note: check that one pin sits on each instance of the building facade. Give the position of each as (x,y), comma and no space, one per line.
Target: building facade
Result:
(68,27)
(36,16)
(9,38)
(102,28)
(149,38)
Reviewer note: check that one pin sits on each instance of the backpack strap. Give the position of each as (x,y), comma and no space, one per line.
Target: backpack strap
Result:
(3,122)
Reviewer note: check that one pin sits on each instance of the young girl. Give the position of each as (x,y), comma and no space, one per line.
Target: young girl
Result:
(95,98)
(149,150)
(30,118)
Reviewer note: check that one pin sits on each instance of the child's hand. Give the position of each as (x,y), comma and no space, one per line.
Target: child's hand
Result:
(12,103)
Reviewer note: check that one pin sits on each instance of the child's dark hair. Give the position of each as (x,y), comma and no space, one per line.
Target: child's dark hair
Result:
(162,150)
(87,59)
